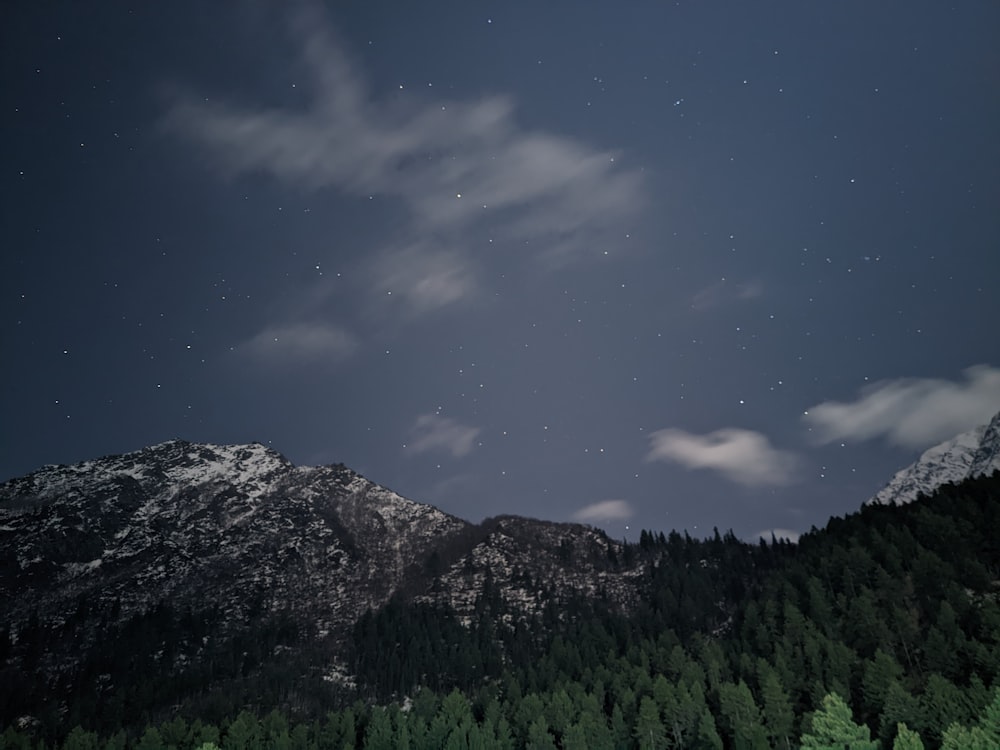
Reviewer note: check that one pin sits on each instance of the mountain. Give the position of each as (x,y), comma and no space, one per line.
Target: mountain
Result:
(225,587)
(198,545)
(971,454)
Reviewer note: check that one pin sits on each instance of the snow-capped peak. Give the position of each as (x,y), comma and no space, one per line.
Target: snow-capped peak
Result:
(968,455)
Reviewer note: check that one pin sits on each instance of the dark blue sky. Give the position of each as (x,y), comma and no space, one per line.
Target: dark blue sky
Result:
(669,266)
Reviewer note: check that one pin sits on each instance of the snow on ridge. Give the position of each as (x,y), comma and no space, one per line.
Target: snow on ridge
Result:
(967,455)
(77,568)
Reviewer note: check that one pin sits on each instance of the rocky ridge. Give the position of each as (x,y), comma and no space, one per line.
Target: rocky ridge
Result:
(240,531)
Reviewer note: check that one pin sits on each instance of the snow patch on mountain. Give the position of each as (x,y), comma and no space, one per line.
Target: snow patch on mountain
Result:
(968,455)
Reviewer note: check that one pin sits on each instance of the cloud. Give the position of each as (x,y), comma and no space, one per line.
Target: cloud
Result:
(742,456)
(723,292)
(433,432)
(788,534)
(299,343)
(605,510)
(424,278)
(910,412)
(460,170)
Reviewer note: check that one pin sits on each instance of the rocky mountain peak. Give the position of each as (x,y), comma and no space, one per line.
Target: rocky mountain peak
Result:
(239,536)
(964,456)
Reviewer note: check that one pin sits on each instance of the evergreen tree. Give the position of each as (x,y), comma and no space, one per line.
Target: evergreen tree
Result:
(881,671)
(559,712)
(150,740)
(906,739)
(539,737)
(620,736)
(742,716)
(649,731)
(900,708)
(941,705)
(378,733)
(778,715)
(117,741)
(989,719)
(11,739)
(200,733)
(833,728)
(595,732)
(300,738)
(175,734)
(78,739)
(575,738)
(708,736)
(400,730)
(985,735)
(957,737)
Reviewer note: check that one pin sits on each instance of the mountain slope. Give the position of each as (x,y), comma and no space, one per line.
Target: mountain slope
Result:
(971,454)
(198,545)
(199,581)
(191,523)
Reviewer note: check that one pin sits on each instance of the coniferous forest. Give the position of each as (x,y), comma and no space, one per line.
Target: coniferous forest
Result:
(880,630)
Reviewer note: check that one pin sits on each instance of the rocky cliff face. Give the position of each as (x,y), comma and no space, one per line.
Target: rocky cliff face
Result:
(242,533)
(968,455)
(235,528)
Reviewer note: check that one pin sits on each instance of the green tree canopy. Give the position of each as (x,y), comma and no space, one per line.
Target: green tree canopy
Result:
(833,728)
(907,739)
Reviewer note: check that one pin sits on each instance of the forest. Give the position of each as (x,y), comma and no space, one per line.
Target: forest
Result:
(880,630)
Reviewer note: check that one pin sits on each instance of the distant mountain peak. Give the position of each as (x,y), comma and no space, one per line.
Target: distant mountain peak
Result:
(964,456)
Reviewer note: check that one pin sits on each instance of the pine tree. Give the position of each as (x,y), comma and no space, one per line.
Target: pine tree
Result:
(708,736)
(957,737)
(833,728)
(907,739)
(78,739)
(900,707)
(243,734)
(881,671)
(378,733)
(989,720)
(150,740)
(778,715)
(596,734)
(984,736)
(942,704)
(620,735)
(539,737)
(649,731)
(742,716)
(574,738)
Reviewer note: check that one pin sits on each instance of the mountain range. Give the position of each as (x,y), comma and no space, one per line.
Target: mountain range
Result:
(199,564)
(236,536)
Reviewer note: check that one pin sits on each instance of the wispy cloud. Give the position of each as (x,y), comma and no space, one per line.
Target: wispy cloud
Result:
(300,343)
(742,456)
(432,432)
(910,412)
(605,510)
(723,292)
(459,169)
(424,278)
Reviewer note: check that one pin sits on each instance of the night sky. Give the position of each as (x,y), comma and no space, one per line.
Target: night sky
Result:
(644,265)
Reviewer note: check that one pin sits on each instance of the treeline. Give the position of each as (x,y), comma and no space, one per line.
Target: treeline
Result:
(566,719)
(893,609)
